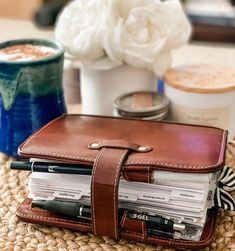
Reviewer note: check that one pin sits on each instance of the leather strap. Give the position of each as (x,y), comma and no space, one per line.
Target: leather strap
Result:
(119,144)
(104,191)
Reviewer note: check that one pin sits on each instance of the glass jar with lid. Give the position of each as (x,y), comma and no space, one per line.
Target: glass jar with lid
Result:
(142,105)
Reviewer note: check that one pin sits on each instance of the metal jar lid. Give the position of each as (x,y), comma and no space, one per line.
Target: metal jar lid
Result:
(142,104)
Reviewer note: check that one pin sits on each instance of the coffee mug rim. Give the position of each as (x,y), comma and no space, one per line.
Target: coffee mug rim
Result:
(38,41)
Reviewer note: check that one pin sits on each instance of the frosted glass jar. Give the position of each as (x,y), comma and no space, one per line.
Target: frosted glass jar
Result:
(99,88)
(203,95)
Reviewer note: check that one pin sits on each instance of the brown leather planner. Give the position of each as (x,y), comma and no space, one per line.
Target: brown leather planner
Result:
(130,148)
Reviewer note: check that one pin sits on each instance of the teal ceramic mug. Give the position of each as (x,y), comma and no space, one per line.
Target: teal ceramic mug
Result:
(31,91)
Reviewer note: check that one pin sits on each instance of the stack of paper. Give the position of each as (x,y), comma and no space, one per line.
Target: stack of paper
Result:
(169,196)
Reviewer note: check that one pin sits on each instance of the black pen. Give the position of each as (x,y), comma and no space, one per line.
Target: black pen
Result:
(51,167)
(76,209)
(72,209)
(156,222)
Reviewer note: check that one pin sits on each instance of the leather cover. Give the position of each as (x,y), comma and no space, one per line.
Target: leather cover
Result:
(132,148)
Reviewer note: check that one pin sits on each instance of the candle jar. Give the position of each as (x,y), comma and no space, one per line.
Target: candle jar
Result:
(203,95)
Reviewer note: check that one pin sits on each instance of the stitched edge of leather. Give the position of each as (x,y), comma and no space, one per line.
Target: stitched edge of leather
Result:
(115,192)
(28,216)
(93,189)
(82,157)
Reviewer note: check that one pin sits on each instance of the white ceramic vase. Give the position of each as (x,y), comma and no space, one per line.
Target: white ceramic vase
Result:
(99,88)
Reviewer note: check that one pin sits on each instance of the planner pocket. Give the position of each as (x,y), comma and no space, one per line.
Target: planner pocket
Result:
(133,227)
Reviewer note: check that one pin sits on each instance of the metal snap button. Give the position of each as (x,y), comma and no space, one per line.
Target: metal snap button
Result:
(94,145)
(143,148)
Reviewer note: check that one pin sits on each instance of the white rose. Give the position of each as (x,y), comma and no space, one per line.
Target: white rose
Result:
(145,32)
(103,34)
(82,27)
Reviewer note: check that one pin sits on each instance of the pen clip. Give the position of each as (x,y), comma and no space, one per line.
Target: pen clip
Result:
(80,211)
(32,165)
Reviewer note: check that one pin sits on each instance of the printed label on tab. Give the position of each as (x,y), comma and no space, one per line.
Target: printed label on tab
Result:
(128,197)
(66,195)
(187,195)
(41,197)
(154,197)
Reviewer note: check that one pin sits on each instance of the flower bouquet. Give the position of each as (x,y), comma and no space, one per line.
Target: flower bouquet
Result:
(122,45)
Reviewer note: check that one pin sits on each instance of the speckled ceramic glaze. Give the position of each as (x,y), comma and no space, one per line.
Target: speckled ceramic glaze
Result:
(31,94)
